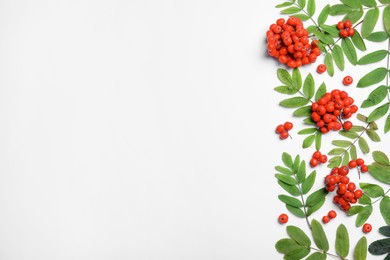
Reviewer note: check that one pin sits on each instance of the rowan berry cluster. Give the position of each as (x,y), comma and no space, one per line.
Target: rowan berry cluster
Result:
(331,215)
(288,41)
(282,130)
(345,29)
(347,193)
(358,163)
(331,109)
(318,158)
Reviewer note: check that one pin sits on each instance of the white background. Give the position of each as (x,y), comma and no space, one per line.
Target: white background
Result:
(144,130)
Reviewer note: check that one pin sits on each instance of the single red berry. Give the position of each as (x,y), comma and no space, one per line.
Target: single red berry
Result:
(357,194)
(325,219)
(332,214)
(343,33)
(323,158)
(280,22)
(288,126)
(352,164)
(351,32)
(347,125)
(321,68)
(340,25)
(360,161)
(351,186)
(344,170)
(284,135)
(317,155)
(367,228)
(347,24)
(313,162)
(283,218)
(344,179)
(347,80)
(279,129)
(364,168)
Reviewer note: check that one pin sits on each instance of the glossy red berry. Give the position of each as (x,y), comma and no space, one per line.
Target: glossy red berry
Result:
(321,68)
(332,214)
(340,25)
(351,186)
(347,24)
(360,161)
(347,80)
(288,126)
(279,129)
(343,33)
(351,32)
(323,158)
(313,162)
(317,155)
(352,164)
(325,219)
(357,194)
(364,168)
(347,125)
(367,228)
(283,218)
(284,135)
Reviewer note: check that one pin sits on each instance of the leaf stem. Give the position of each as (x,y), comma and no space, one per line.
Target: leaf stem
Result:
(303,95)
(388,65)
(381,197)
(303,202)
(329,254)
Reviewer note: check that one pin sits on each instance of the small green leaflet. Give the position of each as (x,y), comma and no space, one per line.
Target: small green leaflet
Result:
(372,190)
(349,50)
(380,172)
(323,15)
(373,57)
(308,141)
(373,77)
(338,57)
(363,215)
(308,86)
(285,77)
(378,112)
(294,102)
(352,3)
(291,10)
(381,158)
(386,19)
(319,235)
(375,97)
(339,9)
(320,91)
(329,64)
(385,209)
(378,37)
(360,252)
(387,124)
(298,235)
(358,41)
(369,22)
(380,247)
(364,145)
(311,7)
(354,16)
(342,241)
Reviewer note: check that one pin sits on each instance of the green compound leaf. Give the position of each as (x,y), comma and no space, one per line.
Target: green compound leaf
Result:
(298,236)
(369,22)
(377,37)
(375,97)
(308,182)
(329,64)
(308,141)
(373,57)
(379,247)
(378,112)
(363,215)
(372,190)
(381,158)
(324,15)
(385,209)
(386,19)
(338,57)
(319,235)
(349,50)
(294,102)
(373,77)
(360,252)
(320,91)
(342,241)
(358,41)
(364,145)
(308,86)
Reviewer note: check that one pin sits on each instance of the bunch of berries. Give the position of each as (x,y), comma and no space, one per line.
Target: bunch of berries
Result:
(282,130)
(289,42)
(347,193)
(345,29)
(331,215)
(358,163)
(317,158)
(331,109)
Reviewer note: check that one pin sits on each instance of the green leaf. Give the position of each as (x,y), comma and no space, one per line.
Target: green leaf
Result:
(308,141)
(348,134)
(296,211)
(361,118)
(286,245)
(329,64)
(290,201)
(315,207)
(363,215)
(298,235)
(294,102)
(285,4)
(308,182)
(341,143)
(318,141)
(311,7)
(336,151)
(360,252)
(320,91)
(287,159)
(334,162)
(303,111)
(339,9)
(342,241)
(301,173)
(297,162)
(369,3)
(380,157)
(385,231)
(307,131)
(319,235)
(364,145)
(352,3)
(354,210)
(373,126)
(353,152)
(372,190)
(316,197)
(373,136)
(345,159)
(349,50)
(378,37)
(365,200)
(375,97)
(338,57)
(297,78)
(317,256)
(291,10)
(285,77)
(369,22)
(373,57)
(284,170)
(308,86)
(380,172)
(353,16)
(386,19)
(286,179)
(302,17)
(372,77)
(292,189)
(324,38)
(298,254)
(302,3)
(387,124)
(286,90)
(358,41)
(378,112)
(385,209)
(331,29)
(323,15)
(309,121)
(379,247)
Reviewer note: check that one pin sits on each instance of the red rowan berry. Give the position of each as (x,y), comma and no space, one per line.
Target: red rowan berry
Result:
(367,228)
(347,125)
(351,32)
(313,162)
(284,135)
(288,126)
(283,218)
(323,158)
(343,170)
(364,168)
(352,164)
(344,180)
(279,129)
(360,161)
(332,214)
(347,80)
(316,155)
(325,219)
(357,194)
(347,24)
(351,186)
(343,33)
(340,25)
(321,68)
